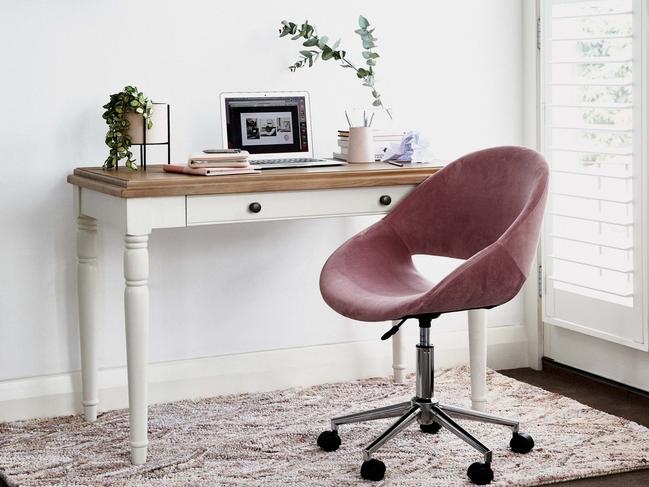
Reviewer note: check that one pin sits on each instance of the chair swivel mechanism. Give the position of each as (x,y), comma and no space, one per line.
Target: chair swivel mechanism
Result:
(485,208)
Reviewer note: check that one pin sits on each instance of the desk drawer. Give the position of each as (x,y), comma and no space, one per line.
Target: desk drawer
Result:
(283,205)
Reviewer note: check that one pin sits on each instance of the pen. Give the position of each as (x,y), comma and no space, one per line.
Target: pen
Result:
(398,164)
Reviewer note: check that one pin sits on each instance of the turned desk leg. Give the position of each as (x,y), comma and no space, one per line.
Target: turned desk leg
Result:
(478,357)
(398,357)
(136,310)
(87,292)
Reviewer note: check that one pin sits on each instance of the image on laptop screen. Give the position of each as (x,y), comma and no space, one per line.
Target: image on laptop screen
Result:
(267,125)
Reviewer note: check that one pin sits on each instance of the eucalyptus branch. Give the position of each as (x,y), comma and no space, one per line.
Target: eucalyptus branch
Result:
(349,64)
(318,48)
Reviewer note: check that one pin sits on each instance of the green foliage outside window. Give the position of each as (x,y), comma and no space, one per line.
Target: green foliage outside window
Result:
(618,48)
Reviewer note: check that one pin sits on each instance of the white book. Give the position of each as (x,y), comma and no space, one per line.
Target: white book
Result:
(378,133)
(378,144)
(342,156)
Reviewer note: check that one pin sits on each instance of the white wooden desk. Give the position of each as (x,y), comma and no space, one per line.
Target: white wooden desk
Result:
(135,203)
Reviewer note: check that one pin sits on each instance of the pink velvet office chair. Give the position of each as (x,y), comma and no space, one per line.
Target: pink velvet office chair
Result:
(487,208)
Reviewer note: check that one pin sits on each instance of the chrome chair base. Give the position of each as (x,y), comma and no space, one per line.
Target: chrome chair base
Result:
(425,413)
(431,416)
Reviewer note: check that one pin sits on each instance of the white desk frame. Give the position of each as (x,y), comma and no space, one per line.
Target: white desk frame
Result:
(137,217)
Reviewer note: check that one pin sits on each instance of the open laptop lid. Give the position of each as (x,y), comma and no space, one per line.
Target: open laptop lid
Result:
(269,125)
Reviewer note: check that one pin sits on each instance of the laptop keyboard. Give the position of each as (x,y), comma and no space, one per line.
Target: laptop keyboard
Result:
(274,162)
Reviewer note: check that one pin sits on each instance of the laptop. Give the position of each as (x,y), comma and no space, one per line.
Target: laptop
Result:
(274,127)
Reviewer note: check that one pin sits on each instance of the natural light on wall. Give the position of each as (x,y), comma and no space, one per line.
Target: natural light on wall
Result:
(592,92)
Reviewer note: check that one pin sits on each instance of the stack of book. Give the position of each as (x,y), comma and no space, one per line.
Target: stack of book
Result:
(382,140)
(219,164)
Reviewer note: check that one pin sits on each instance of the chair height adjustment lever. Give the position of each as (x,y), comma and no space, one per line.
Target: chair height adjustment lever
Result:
(393,330)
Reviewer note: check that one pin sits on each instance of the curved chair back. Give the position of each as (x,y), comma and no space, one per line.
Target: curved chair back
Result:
(485,196)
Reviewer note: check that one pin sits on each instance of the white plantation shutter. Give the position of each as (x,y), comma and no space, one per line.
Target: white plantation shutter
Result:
(593,137)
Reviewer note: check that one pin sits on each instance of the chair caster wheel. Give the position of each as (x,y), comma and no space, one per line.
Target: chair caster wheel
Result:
(521,443)
(480,473)
(373,469)
(430,428)
(329,440)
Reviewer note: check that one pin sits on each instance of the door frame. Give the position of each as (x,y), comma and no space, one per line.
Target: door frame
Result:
(538,340)
(531,11)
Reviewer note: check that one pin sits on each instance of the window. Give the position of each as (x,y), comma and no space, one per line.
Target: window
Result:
(592,99)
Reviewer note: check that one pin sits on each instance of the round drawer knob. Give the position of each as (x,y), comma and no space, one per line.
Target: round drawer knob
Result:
(254,207)
(385,200)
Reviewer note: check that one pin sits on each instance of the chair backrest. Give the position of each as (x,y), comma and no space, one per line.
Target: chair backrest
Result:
(489,195)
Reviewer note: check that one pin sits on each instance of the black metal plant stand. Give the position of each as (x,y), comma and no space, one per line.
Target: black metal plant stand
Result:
(144,143)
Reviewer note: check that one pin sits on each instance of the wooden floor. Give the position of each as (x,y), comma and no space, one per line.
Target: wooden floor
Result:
(602,396)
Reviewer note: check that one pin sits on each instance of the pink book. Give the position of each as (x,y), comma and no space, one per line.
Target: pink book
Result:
(238,159)
(208,171)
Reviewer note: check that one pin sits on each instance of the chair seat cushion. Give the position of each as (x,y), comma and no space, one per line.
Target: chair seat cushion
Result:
(366,301)
(372,277)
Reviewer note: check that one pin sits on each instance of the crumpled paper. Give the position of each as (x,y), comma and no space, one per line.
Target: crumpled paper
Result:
(412,148)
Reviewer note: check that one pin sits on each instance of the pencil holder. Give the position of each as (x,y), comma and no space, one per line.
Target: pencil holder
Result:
(361,145)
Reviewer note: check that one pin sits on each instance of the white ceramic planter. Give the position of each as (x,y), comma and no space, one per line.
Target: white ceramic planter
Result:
(361,145)
(156,134)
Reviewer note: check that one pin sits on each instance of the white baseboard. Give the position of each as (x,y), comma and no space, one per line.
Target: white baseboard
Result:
(58,395)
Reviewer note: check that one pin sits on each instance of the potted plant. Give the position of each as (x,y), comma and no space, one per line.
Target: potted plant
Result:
(128,114)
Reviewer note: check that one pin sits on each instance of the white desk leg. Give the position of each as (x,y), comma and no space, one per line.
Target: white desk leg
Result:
(478,357)
(398,357)
(87,291)
(136,306)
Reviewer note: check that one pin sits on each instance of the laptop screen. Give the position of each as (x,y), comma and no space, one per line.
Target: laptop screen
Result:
(267,125)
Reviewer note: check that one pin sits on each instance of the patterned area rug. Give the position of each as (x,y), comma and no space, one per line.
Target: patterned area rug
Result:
(269,439)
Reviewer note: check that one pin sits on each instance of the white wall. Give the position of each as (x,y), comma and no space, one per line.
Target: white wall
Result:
(449,69)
